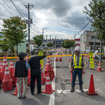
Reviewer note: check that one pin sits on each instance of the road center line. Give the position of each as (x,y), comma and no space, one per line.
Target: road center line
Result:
(52,96)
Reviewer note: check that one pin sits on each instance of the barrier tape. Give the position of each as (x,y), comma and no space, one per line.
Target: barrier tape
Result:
(49,56)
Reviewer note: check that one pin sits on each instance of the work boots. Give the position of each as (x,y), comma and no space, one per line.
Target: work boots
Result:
(72,89)
(81,89)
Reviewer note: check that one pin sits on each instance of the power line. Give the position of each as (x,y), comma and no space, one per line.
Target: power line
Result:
(17,8)
(32,24)
(81,29)
(35,30)
(7,6)
(6,9)
(33,33)
(35,27)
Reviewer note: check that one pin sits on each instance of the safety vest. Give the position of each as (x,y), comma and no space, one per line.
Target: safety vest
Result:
(75,63)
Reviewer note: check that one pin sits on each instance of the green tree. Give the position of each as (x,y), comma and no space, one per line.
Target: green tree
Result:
(49,44)
(38,40)
(96,13)
(68,43)
(4,45)
(14,30)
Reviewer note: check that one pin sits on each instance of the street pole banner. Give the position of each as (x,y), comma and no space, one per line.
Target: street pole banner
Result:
(40,53)
(91,60)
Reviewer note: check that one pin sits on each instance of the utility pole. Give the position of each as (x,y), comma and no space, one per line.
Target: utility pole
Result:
(50,40)
(29,21)
(43,31)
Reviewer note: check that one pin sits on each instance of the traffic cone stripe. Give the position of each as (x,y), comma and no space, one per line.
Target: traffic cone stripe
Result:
(48,83)
(11,66)
(4,60)
(6,68)
(48,63)
(4,64)
(6,72)
(47,78)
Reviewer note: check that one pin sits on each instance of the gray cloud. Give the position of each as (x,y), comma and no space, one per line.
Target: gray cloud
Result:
(76,20)
(59,7)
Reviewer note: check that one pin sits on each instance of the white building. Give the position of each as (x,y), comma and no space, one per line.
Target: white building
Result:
(89,41)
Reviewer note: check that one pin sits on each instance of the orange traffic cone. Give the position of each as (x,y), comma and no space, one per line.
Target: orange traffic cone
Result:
(56,59)
(70,59)
(4,63)
(99,67)
(15,92)
(12,72)
(12,69)
(48,87)
(48,65)
(49,69)
(7,83)
(43,79)
(51,74)
(60,59)
(91,90)
(1,72)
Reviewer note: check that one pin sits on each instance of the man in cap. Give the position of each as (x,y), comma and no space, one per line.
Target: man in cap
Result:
(21,73)
(34,62)
(77,68)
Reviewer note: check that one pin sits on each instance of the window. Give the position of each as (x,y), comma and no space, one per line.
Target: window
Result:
(93,37)
(91,47)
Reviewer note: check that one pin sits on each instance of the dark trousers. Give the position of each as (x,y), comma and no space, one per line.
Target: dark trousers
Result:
(74,74)
(32,83)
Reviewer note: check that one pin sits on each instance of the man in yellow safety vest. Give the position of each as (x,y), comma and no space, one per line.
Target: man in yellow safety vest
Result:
(77,68)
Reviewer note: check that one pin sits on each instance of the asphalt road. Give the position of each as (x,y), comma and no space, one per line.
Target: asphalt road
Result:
(62,86)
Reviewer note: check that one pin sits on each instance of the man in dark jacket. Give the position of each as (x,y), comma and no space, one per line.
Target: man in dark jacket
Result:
(21,73)
(34,63)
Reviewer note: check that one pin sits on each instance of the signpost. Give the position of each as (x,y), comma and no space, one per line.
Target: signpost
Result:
(91,60)
(40,53)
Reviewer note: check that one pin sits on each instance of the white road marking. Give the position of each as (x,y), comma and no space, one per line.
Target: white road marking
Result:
(78,91)
(52,96)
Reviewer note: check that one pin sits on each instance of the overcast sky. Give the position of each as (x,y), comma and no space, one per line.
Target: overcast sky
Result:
(58,18)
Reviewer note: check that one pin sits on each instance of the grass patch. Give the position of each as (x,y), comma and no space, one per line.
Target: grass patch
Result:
(103,64)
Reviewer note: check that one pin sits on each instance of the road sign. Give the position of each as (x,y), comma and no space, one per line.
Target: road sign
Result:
(40,53)
(91,60)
